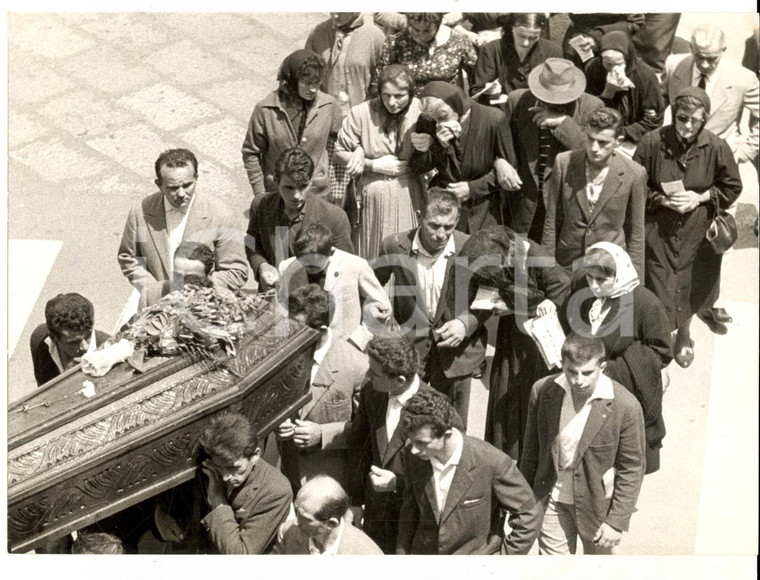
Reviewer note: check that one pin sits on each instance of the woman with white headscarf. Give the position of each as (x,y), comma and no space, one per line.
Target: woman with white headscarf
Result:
(608,301)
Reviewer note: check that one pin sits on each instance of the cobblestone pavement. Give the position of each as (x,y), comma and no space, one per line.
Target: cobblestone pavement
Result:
(93,100)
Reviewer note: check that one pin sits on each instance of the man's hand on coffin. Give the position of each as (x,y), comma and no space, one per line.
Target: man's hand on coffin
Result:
(168,528)
(286,430)
(215,495)
(307,434)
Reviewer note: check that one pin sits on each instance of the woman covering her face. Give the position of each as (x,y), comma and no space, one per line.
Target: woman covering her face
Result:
(691,175)
(375,144)
(626,83)
(430,50)
(296,114)
(509,60)
(608,301)
(461,139)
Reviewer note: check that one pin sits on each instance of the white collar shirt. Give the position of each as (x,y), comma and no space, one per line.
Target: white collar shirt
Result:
(319,355)
(56,356)
(176,220)
(431,270)
(571,426)
(396,403)
(443,473)
(331,546)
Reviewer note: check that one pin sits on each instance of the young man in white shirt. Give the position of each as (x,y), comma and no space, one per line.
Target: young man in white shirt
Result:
(584,452)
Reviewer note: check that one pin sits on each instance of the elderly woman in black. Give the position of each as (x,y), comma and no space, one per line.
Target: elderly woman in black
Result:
(626,83)
(519,269)
(692,175)
(461,139)
(609,302)
(509,60)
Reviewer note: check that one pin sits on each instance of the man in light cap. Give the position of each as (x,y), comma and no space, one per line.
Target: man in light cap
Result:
(544,120)
(319,528)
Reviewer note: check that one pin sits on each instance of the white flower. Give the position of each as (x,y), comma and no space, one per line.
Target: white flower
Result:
(88,389)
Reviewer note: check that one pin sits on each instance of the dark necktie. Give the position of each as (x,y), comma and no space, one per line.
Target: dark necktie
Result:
(702,82)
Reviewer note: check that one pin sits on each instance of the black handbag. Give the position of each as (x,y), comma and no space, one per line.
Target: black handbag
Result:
(722,233)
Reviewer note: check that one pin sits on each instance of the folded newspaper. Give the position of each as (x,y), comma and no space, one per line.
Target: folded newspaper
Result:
(547,333)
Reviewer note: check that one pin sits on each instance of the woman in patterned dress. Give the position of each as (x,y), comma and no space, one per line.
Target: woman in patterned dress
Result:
(375,143)
(430,50)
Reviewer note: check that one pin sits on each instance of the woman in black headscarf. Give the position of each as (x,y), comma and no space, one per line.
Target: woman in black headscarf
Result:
(699,170)
(626,83)
(375,143)
(519,269)
(510,59)
(296,114)
(460,139)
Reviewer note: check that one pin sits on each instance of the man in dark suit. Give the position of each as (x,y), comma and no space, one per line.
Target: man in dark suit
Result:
(596,195)
(320,431)
(431,298)
(544,120)
(376,472)
(248,498)
(164,220)
(277,218)
(67,334)
(584,452)
(458,488)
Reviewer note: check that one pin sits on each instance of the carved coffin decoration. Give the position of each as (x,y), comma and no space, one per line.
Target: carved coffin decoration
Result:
(74,460)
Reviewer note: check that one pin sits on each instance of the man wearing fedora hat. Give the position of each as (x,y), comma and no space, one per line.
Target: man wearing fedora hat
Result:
(545,120)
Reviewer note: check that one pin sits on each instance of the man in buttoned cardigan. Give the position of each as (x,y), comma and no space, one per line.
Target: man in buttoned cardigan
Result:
(584,452)
(459,488)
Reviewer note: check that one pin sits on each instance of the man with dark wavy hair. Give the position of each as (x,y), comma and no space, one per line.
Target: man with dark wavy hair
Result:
(596,194)
(459,488)
(376,442)
(277,218)
(67,334)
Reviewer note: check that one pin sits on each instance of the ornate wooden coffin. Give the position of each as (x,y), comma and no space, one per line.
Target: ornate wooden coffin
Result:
(73,459)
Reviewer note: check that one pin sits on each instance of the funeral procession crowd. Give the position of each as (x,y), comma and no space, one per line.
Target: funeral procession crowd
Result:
(413,176)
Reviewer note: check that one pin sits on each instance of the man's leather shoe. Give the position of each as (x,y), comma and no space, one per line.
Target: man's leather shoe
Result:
(720,315)
(715,326)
